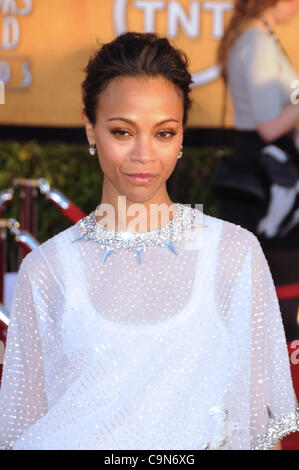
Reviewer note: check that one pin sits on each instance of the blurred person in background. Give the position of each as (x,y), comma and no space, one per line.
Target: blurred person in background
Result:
(258,187)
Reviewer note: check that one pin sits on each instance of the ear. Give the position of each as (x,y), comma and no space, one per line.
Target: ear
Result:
(88,129)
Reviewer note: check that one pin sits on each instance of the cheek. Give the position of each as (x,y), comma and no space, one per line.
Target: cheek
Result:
(110,162)
(169,157)
(111,154)
(170,164)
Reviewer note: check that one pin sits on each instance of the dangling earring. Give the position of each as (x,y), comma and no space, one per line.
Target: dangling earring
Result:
(92,149)
(181,153)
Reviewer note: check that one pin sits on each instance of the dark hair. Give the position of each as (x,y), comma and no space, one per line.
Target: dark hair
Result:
(135,54)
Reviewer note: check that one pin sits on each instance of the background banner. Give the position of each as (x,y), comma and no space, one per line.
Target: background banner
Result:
(45,44)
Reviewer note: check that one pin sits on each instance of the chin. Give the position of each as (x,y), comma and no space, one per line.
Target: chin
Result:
(140,194)
(138,198)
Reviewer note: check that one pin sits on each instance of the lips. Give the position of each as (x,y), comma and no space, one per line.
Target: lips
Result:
(141,177)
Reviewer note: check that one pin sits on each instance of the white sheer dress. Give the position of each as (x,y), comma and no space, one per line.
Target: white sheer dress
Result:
(178,348)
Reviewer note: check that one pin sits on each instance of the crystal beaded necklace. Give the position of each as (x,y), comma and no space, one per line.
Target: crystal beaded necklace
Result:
(113,241)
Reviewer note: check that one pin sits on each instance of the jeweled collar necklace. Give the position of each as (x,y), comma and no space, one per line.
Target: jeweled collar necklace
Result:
(112,241)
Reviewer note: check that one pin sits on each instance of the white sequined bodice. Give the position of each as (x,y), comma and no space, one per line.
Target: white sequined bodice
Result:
(185,350)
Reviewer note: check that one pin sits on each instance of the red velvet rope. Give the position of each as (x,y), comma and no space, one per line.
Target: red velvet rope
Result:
(290,291)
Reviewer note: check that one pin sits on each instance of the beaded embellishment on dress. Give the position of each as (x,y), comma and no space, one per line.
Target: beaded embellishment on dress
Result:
(113,241)
(278,427)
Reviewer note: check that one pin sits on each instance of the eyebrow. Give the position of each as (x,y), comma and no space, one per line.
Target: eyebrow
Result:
(132,122)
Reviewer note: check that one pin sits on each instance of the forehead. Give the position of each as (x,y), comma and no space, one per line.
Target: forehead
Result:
(143,94)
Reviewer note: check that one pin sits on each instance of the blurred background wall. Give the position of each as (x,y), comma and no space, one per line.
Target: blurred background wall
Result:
(44,46)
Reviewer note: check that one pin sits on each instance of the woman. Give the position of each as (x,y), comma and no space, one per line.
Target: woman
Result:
(127,338)
(260,77)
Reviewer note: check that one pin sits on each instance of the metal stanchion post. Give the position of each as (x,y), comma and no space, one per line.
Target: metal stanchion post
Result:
(5,198)
(28,209)
(60,201)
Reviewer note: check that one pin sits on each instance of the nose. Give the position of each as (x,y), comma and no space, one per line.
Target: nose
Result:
(143,149)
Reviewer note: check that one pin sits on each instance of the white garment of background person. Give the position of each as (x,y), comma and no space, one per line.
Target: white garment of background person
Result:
(182,351)
(260,76)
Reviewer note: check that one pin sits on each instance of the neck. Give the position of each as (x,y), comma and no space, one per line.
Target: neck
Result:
(117,212)
(268,16)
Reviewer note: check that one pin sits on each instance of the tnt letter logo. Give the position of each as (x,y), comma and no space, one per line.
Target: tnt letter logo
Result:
(187,18)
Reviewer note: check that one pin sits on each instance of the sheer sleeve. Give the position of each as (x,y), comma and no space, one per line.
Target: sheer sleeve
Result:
(274,409)
(22,396)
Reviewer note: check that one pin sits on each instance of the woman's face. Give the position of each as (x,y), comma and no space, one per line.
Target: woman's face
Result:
(285,10)
(138,130)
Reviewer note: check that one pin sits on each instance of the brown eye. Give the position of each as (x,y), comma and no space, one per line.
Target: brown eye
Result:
(120,132)
(166,134)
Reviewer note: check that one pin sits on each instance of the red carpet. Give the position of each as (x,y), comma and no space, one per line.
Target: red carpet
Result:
(291,442)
